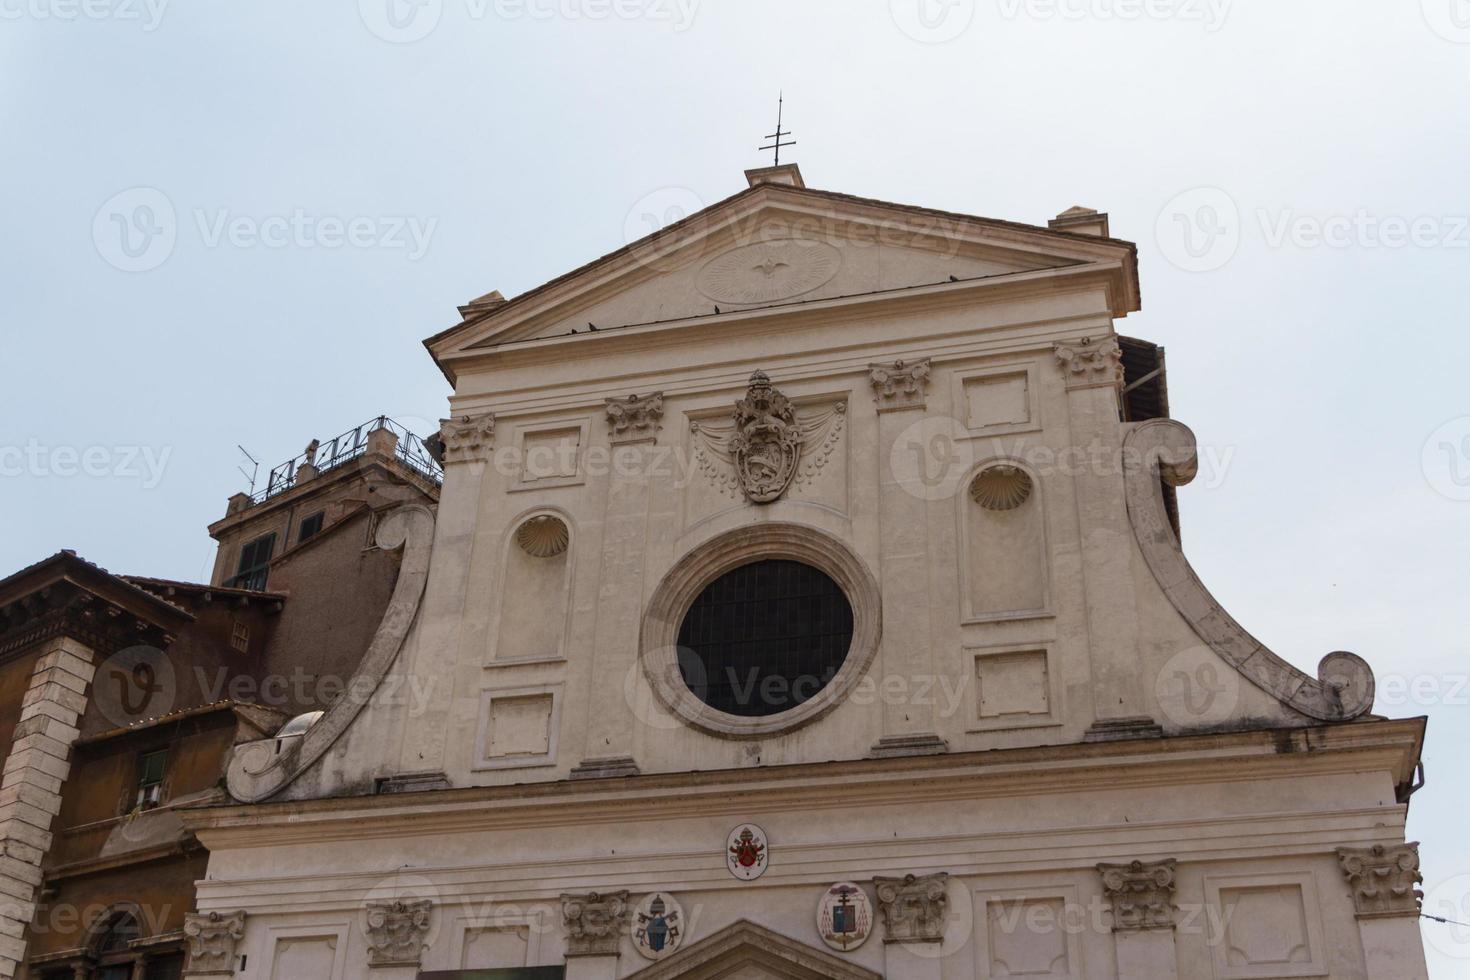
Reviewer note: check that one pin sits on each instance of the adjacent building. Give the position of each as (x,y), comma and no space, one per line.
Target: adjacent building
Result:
(122,697)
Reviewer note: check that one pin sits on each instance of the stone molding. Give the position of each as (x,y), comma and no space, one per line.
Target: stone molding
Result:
(914,907)
(467,438)
(1141,893)
(635,418)
(658,651)
(900,384)
(595,922)
(257,771)
(212,939)
(1384,879)
(609,767)
(1091,363)
(901,746)
(414,782)
(396,932)
(1162,449)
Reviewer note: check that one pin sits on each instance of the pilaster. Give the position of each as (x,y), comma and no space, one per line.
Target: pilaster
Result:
(595,924)
(1093,373)
(1141,895)
(1384,880)
(900,394)
(915,911)
(633,424)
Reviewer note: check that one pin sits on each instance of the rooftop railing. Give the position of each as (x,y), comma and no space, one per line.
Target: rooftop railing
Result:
(323,456)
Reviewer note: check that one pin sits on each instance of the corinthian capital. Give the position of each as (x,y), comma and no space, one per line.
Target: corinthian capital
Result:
(1142,894)
(914,907)
(467,438)
(1383,878)
(594,922)
(1091,363)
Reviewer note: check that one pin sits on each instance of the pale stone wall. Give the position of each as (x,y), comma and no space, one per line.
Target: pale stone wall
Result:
(1029,656)
(1103,636)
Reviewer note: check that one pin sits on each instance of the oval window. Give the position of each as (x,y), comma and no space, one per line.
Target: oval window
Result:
(764,637)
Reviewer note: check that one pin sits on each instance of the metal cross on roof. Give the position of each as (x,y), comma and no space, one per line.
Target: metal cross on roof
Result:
(775,137)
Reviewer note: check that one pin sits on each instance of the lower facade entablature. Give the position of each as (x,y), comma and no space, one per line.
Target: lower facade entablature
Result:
(1210,857)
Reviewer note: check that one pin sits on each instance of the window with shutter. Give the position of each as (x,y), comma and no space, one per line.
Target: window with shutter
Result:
(254,566)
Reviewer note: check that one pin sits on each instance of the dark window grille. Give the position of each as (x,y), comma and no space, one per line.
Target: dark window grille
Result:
(764,638)
(255,561)
(309,526)
(170,967)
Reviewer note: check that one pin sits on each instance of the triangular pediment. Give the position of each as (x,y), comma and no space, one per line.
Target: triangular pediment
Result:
(772,248)
(746,951)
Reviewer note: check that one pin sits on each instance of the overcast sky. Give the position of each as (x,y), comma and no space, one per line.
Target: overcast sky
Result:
(234,223)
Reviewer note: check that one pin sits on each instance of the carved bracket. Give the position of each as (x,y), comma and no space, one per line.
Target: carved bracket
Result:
(1142,895)
(914,907)
(635,418)
(595,922)
(212,939)
(899,384)
(1162,449)
(396,932)
(468,438)
(1091,363)
(1383,879)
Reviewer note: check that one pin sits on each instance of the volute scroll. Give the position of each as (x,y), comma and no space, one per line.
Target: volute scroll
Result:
(1164,451)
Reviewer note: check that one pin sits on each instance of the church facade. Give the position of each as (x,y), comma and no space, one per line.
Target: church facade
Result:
(805,599)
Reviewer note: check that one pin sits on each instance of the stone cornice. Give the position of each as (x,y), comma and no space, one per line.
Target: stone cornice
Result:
(1306,833)
(783,317)
(1177,762)
(824,367)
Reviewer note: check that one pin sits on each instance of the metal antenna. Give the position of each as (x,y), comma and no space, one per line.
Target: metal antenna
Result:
(254,466)
(776,136)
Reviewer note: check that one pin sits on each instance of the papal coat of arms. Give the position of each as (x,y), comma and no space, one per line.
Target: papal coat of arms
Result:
(844,916)
(767,442)
(745,852)
(658,925)
(766,445)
